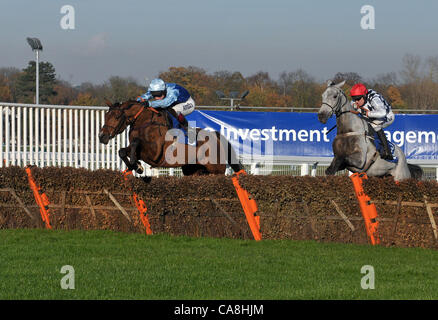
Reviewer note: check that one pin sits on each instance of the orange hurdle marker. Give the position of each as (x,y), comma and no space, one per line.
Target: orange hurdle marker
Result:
(141,206)
(249,206)
(40,198)
(369,211)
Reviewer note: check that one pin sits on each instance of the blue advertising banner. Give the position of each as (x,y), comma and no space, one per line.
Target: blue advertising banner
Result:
(288,134)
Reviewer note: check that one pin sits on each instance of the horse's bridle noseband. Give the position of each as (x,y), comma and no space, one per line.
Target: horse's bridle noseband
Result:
(339,112)
(116,129)
(123,119)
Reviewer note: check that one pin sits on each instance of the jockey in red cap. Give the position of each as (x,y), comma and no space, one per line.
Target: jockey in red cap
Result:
(377,112)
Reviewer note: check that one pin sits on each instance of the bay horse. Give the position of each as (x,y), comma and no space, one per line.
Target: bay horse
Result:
(353,146)
(153,140)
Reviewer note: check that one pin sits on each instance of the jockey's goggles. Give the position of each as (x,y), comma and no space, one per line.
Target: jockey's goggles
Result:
(357,98)
(157,93)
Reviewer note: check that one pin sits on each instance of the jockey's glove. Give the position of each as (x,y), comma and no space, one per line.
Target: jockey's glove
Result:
(364,112)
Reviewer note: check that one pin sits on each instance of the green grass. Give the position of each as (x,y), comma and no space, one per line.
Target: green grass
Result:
(111,265)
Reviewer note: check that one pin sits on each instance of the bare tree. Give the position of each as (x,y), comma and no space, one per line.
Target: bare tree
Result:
(411,71)
(432,68)
(261,79)
(350,78)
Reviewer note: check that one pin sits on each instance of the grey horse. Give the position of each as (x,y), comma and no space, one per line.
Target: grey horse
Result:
(353,146)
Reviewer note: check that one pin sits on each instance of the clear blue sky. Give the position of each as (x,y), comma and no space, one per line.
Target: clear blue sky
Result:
(141,38)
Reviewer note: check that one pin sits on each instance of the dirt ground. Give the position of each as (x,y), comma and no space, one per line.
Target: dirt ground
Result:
(289,207)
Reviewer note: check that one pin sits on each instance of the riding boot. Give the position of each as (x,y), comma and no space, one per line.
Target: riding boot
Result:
(172,112)
(385,152)
(191,132)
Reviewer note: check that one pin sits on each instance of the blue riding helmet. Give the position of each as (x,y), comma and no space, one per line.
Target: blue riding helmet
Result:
(157,85)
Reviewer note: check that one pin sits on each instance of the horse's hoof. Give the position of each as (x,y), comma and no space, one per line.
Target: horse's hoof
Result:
(139,170)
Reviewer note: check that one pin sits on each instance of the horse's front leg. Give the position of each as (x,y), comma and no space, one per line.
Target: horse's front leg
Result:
(133,160)
(335,166)
(123,154)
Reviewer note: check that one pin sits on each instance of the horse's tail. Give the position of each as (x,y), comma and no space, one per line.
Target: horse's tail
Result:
(232,159)
(416,171)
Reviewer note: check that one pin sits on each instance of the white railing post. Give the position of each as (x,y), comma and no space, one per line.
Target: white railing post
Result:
(92,137)
(59,140)
(13,136)
(47,150)
(36,155)
(41,149)
(7,138)
(19,152)
(255,168)
(81,139)
(25,152)
(304,169)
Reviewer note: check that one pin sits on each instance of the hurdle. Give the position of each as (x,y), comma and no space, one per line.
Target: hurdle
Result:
(368,209)
(140,204)
(249,206)
(40,197)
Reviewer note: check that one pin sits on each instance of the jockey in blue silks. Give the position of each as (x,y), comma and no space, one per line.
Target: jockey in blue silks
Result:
(170,96)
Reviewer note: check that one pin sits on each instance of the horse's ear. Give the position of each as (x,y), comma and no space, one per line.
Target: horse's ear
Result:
(330,83)
(340,84)
(108,103)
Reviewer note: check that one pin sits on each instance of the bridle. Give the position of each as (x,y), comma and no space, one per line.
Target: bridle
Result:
(123,119)
(335,108)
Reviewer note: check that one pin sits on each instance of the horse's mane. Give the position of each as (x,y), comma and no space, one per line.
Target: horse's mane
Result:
(161,111)
(123,105)
(128,103)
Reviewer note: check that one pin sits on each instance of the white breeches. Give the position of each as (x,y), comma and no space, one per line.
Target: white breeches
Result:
(185,108)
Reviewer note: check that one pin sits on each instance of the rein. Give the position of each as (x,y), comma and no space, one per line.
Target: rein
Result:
(131,122)
(337,113)
(133,128)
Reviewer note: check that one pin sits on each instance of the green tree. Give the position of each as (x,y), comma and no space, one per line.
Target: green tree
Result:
(26,83)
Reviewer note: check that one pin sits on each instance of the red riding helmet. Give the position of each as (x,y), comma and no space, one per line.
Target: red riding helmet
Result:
(358,89)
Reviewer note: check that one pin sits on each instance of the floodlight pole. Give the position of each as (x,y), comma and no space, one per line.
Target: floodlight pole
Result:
(37,77)
(36,46)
